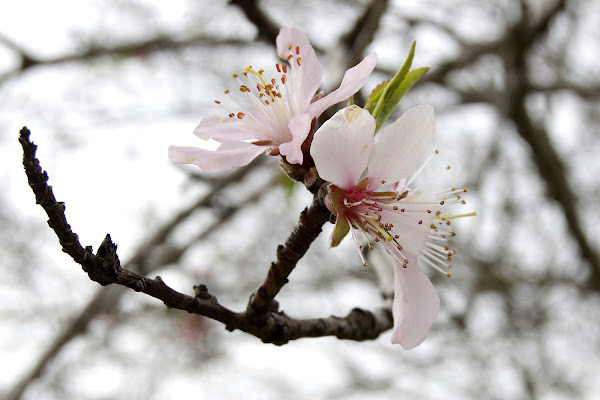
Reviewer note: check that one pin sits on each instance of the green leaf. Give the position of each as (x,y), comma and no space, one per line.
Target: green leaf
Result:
(395,95)
(382,97)
(386,96)
(375,96)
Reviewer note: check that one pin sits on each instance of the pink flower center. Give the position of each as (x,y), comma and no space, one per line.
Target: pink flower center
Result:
(402,222)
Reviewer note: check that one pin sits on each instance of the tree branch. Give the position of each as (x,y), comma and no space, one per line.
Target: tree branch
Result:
(95,50)
(363,32)
(308,228)
(151,255)
(550,166)
(273,326)
(267,29)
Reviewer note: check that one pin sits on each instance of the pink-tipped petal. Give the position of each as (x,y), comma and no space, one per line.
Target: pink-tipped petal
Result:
(228,156)
(354,79)
(342,145)
(223,129)
(299,127)
(416,304)
(401,146)
(287,41)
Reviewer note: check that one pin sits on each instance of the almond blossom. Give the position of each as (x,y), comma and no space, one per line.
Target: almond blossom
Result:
(282,109)
(382,205)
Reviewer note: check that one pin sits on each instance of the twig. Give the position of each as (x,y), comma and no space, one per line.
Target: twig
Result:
(273,326)
(308,228)
(154,253)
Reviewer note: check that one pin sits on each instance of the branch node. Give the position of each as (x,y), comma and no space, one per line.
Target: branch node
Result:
(107,267)
(201,292)
(140,285)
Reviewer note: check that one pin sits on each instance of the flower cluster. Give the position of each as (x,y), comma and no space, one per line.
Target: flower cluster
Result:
(369,183)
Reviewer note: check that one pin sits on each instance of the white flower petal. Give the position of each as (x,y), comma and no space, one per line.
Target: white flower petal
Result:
(416,304)
(412,236)
(223,129)
(311,68)
(228,156)
(401,146)
(299,127)
(342,145)
(354,79)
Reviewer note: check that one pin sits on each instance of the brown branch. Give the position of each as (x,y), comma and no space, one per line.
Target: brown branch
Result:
(308,228)
(267,28)
(363,32)
(157,43)
(550,166)
(153,254)
(273,326)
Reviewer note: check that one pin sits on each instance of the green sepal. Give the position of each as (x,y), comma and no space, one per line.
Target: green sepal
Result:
(335,203)
(342,227)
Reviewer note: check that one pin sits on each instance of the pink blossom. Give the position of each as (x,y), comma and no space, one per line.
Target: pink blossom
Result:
(383,205)
(282,109)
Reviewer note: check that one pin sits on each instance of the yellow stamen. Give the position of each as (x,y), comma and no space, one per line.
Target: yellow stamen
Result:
(249,69)
(379,229)
(445,217)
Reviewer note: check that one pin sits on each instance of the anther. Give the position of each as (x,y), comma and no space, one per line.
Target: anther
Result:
(297,49)
(240,115)
(217,101)
(420,222)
